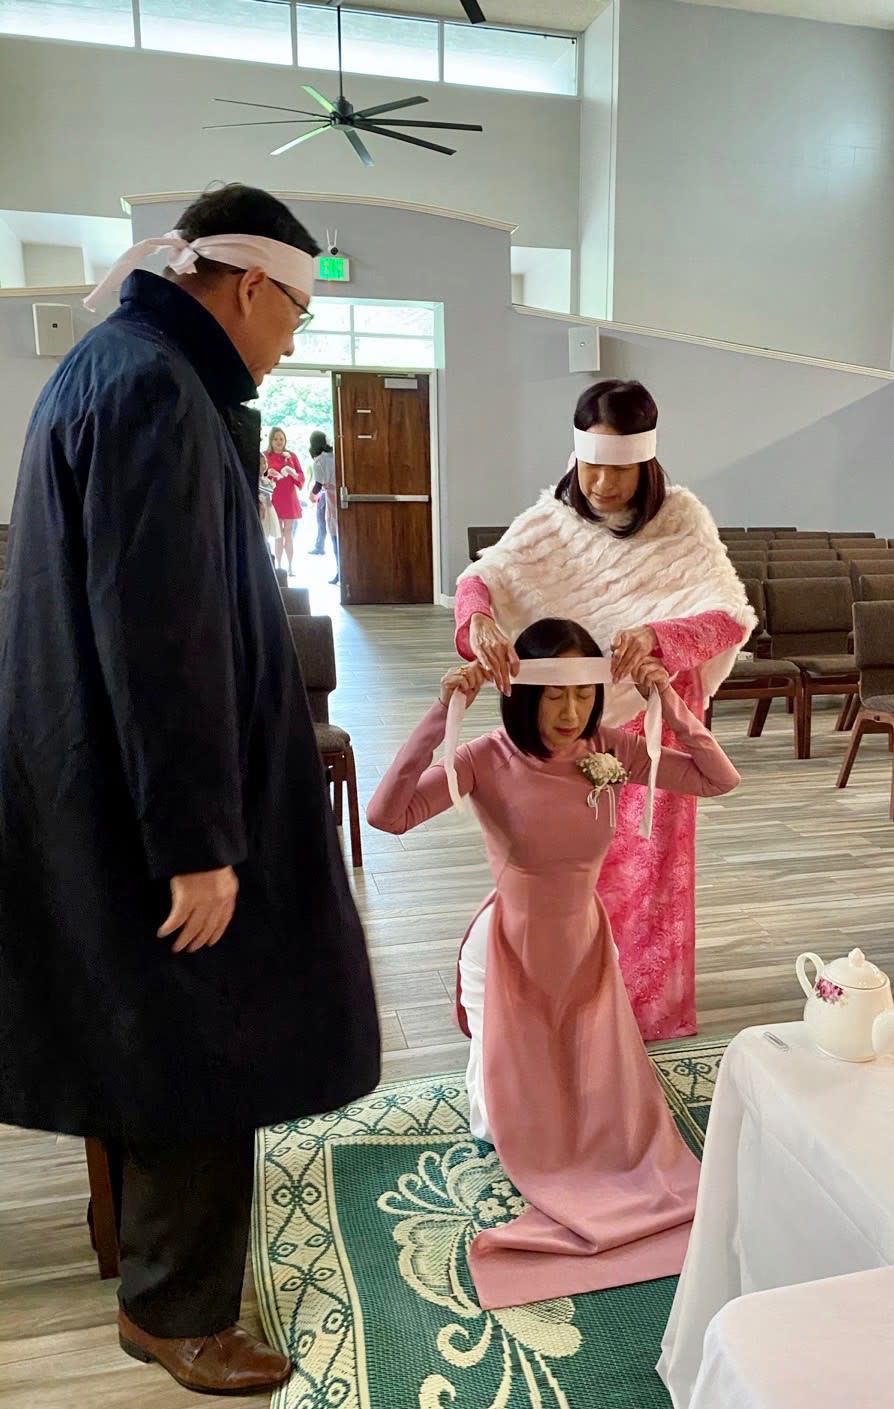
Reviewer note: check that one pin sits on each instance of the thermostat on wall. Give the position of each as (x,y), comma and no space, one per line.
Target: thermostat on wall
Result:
(53,329)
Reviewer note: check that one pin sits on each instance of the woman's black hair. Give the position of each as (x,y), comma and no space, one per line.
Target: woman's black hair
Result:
(545,640)
(319,444)
(628,409)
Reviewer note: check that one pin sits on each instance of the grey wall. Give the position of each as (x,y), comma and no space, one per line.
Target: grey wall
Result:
(22,377)
(93,124)
(768,441)
(755,180)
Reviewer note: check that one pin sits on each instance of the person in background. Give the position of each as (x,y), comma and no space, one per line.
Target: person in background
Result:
(269,521)
(169,981)
(323,475)
(284,469)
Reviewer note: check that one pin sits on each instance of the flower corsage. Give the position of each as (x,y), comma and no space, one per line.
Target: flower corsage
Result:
(603,771)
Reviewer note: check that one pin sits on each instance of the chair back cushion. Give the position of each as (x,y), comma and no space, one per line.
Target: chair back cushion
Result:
(877,588)
(874,648)
(809,616)
(315,648)
(806,567)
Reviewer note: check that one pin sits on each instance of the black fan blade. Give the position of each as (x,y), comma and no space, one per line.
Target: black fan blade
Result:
(402,137)
(474,11)
(391,107)
(271,107)
(445,126)
(268,122)
(358,146)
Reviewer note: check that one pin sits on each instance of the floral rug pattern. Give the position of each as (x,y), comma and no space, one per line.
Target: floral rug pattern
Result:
(363,1219)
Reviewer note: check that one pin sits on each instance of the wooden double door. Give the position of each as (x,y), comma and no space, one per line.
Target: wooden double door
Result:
(383,470)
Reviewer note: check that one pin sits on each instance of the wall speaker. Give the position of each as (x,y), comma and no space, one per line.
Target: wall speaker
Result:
(583,349)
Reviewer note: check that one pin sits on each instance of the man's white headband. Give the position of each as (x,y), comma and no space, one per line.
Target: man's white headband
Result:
(576,670)
(281,262)
(599,449)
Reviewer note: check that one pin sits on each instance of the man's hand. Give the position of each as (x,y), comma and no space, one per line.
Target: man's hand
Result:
(202,906)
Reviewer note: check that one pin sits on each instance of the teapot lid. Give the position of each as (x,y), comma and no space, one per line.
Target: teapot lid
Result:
(854,972)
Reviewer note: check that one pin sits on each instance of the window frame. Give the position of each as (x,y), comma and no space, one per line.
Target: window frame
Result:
(293,6)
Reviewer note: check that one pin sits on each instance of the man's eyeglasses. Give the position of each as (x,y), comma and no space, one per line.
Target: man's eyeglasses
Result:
(305,317)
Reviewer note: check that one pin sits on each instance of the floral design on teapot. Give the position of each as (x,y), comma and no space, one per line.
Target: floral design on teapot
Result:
(829,992)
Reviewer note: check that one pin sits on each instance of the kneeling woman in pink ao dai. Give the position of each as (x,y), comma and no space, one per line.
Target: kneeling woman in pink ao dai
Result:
(559,1079)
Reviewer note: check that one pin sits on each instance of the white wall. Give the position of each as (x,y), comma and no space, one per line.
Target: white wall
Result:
(764,440)
(94,124)
(12,268)
(597,175)
(755,180)
(49,266)
(547,280)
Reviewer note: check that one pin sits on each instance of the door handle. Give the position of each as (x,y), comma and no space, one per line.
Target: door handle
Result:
(346,499)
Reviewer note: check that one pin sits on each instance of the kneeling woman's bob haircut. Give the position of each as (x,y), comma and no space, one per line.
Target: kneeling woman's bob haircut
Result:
(545,640)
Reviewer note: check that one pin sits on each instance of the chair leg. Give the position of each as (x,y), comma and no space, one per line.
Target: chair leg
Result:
(338,781)
(806,719)
(841,721)
(709,715)
(854,710)
(858,731)
(353,810)
(795,702)
(759,718)
(790,704)
(105,1232)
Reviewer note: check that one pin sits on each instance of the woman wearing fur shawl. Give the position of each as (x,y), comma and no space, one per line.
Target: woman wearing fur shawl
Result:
(641,566)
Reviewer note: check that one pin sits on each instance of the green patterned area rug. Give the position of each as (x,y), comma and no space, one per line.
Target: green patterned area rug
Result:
(362,1222)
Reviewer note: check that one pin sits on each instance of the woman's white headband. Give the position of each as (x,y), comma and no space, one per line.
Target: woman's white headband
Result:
(280,261)
(577,670)
(595,448)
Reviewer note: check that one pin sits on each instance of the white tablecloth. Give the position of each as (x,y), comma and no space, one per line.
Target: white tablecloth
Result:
(822,1345)
(797,1184)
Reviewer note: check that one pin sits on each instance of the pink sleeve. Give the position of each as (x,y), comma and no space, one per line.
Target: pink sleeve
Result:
(472,595)
(689,641)
(703,770)
(414,790)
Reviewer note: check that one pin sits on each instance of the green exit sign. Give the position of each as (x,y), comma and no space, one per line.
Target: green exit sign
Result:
(334,269)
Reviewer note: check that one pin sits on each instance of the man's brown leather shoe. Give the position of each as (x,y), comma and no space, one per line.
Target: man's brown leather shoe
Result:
(232,1362)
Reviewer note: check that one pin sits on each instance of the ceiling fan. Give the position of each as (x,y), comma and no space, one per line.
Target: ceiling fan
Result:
(340,115)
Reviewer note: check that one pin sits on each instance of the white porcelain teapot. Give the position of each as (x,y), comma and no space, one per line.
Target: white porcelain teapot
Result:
(849,1011)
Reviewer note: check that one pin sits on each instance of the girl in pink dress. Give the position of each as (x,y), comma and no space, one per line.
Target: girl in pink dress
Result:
(284,469)
(641,565)
(558,1077)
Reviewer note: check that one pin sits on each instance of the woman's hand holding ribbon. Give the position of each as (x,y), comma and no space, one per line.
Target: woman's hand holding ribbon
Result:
(465,679)
(648,675)
(630,649)
(494,651)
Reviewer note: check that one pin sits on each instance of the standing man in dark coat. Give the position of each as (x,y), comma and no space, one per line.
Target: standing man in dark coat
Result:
(180,956)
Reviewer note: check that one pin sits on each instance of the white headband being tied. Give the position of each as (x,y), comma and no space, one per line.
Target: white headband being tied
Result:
(282,262)
(596,448)
(575,670)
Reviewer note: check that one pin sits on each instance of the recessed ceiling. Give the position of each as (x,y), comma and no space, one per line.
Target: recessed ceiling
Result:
(878,14)
(572,15)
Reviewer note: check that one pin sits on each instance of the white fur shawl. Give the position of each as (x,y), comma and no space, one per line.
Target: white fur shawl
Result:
(552,562)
